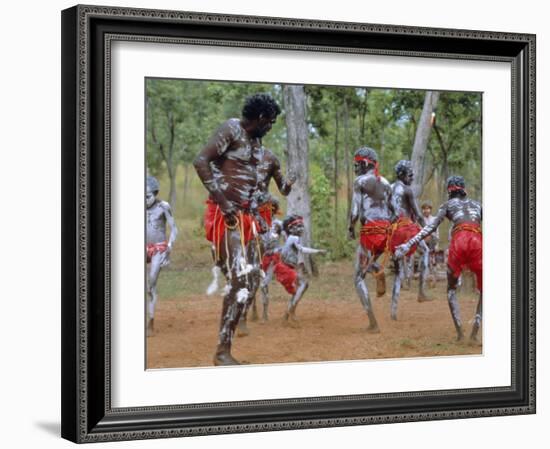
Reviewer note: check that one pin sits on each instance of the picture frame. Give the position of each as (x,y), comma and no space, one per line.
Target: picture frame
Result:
(87,411)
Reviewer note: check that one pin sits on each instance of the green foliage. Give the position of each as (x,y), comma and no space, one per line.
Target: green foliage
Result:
(197,109)
(340,120)
(456,146)
(320,194)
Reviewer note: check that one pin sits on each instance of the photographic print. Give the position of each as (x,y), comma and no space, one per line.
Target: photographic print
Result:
(278,203)
(294,223)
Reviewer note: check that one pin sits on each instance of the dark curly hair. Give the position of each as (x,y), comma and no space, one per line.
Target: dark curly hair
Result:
(402,168)
(289,219)
(456,186)
(260,104)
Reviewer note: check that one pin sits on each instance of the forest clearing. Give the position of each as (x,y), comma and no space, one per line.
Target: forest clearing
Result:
(313,145)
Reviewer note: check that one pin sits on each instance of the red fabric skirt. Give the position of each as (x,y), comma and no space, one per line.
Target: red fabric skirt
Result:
(154,248)
(466,251)
(404,229)
(285,274)
(267,259)
(214,223)
(374,235)
(266,212)
(287,277)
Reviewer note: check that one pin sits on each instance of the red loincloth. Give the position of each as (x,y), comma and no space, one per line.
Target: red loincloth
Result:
(214,224)
(266,212)
(287,277)
(403,230)
(268,259)
(285,274)
(466,250)
(374,235)
(154,248)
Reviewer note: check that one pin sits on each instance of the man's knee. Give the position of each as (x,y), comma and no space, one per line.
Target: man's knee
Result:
(236,284)
(243,295)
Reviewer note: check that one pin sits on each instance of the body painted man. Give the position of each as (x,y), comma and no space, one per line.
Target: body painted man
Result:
(406,226)
(269,168)
(465,248)
(293,275)
(227,166)
(372,206)
(269,207)
(158,248)
(271,263)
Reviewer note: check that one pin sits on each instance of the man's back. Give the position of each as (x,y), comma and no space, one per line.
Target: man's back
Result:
(401,200)
(463,210)
(375,194)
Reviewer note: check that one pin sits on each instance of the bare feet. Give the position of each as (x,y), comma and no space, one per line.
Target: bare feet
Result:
(254,314)
(380,284)
(373,329)
(223,357)
(242,329)
(473,335)
(423,298)
(289,318)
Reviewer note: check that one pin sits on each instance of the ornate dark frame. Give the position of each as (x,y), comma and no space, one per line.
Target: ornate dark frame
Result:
(87,33)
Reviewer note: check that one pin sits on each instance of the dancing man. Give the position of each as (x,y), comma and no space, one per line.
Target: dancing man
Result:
(269,168)
(294,277)
(465,249)
(372,206)
(406,226)
(271,257)
(158,249)
(227,166)
(272,265)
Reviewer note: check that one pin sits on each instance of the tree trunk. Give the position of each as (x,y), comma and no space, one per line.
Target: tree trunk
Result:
(185,180)
(421,140)
(337,125)
(346,155)
(171,164)
(172,194)
(444,176)
(444,166)
(297,158)
(363,118)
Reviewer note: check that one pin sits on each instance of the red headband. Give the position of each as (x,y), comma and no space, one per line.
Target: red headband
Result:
(359,158)
(298,220)
(455,188)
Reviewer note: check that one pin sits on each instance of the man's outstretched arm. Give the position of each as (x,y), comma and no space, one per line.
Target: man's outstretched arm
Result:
(427,230)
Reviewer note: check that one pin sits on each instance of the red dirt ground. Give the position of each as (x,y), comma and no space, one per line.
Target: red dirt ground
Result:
(331,326)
